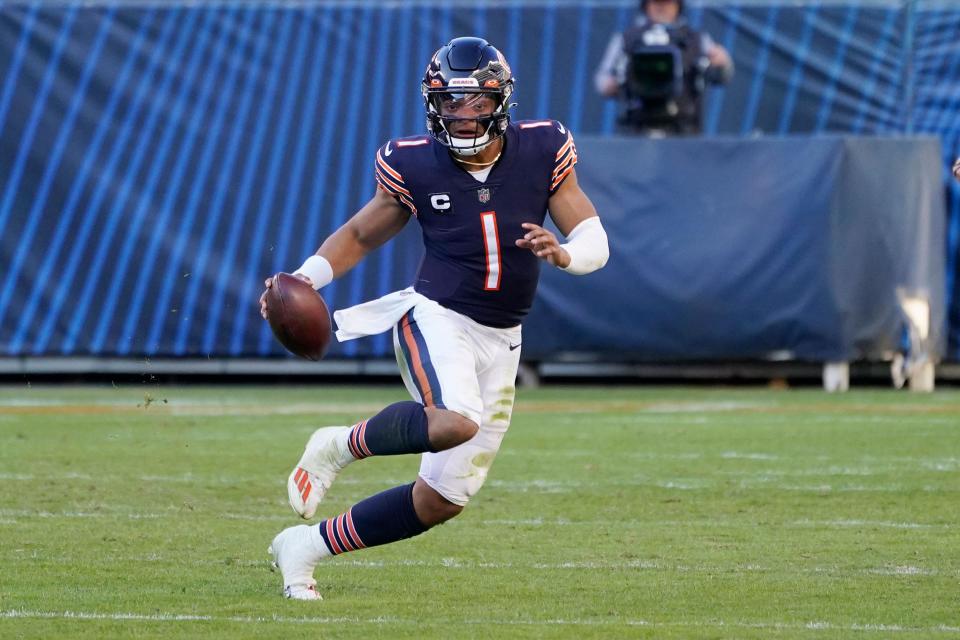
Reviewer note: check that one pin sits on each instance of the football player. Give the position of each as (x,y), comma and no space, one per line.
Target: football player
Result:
(480,187)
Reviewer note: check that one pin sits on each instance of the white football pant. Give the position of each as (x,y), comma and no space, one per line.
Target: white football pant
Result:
(449,361)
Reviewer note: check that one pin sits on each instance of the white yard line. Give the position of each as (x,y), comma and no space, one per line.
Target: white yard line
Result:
(705,407)
(645,565)
(9,515)
(870,523)
(160,402)
(893,571)
(388,620)
(834,480)
(738,455)
(178,617)
(131,515)
(60,476)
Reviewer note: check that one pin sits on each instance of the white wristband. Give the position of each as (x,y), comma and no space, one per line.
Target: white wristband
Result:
(318,269)
(587,247)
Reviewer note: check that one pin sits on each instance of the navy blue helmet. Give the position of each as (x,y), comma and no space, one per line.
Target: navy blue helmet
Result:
(466,69)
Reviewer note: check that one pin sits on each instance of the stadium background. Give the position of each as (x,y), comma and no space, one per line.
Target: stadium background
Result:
(157,160)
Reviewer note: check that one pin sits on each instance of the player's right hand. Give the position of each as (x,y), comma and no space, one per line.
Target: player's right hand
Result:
(268,283)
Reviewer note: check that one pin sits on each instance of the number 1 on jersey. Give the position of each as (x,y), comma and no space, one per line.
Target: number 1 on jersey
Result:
(491,243)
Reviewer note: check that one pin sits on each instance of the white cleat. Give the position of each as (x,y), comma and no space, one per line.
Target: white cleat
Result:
(293,555)
(322,460)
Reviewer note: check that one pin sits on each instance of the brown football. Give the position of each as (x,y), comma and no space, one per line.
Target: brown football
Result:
(298,316)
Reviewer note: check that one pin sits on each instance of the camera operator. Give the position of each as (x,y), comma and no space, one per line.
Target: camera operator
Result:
(659,67)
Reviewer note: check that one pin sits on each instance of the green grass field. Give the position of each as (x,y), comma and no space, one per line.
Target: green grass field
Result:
(146,511)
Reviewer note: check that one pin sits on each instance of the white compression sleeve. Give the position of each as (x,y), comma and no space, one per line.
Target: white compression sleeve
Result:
(587,247)
(318,269)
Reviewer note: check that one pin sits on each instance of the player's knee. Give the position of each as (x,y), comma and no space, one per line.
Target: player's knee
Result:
(431,507)
(443,511)
(447,428)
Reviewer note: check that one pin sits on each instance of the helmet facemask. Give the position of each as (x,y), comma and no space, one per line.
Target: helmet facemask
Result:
(459,121)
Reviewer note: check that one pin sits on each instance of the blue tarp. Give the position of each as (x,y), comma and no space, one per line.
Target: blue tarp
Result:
(732,248)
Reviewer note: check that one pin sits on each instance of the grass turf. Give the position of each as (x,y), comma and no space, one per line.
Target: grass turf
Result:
(610,512)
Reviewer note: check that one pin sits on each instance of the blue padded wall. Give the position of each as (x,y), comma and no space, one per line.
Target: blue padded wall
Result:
(157,161)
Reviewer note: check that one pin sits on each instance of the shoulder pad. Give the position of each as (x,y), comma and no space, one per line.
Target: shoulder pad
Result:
(550,133)
(525,125)
(557,141)
(405,143)
(388,172)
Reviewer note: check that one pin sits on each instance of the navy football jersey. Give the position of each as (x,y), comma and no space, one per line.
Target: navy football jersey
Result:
(471,263)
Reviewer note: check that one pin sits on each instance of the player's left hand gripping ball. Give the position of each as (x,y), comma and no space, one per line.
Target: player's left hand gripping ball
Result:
(298,316)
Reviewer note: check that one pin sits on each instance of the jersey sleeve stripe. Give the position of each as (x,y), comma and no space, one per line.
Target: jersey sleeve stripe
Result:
(569,161)
(566,145)
(390,184)
(390,180)
(559,179)
(407,201)
(388,168)
(399,196)
(386,186)
(566,158)
(564,168)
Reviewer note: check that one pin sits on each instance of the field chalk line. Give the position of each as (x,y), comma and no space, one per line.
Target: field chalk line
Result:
(385,620)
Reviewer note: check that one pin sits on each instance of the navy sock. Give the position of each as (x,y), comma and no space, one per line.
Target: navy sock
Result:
(399,428)
(382,518)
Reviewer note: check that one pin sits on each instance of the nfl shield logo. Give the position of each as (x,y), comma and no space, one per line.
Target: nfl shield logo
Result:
(484,195)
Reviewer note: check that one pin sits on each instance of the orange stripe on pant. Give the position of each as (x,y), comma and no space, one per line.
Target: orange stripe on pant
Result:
(417,364)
